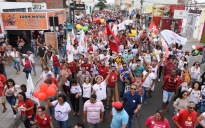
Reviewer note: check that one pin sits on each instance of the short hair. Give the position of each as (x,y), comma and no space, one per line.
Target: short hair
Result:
(42,108)
(80,125)
(93,96)
(46,68)
(73,81)
(23,86)
(62,96)
(191,103)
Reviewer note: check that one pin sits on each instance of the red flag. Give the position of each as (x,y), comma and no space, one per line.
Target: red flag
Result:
(153,28)
(114,42)
(105,32)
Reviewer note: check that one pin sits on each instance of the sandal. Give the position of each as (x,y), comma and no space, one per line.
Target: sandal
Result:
(4,110)
(74,114)
(78,114)
(137,115)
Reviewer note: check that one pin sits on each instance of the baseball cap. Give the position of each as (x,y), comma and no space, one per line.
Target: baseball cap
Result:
(117,104)
(120,54)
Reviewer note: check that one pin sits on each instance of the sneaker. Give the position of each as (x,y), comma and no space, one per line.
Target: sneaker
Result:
(107,107)
(14,117)
(145,102)
(158,79)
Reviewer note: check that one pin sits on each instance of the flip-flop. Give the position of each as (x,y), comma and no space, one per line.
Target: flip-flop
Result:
(137,115)
(4,110)
(74,114)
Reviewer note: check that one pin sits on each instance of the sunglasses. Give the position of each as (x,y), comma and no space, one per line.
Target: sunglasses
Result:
(124,66)
(133,88)
(191,107)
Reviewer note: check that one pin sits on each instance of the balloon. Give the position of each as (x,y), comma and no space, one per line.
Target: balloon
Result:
(97,20)
(53,86)
(198,46)
(196,51)
(153,34)
(21,40)
(155,53)
(85,28)
(134,33)
(35,93)
(43,87)
(78,26)
(193,46)
(102,20)
(51,91)
(41,96)
(14,59)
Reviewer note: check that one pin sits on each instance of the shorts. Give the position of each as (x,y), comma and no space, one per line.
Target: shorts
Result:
(0,99)
(110,90)
(193,80)
(167,96)
(8,53)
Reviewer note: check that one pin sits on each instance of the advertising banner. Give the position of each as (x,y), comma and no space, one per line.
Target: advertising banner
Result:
(51,39)
(180,14)
(161,10)
(60,14)
(190,26)
(24,21)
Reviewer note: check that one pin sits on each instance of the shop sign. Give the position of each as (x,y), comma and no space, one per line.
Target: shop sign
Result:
(24,21)
(180,14)
(51,39)
(60,14)
(195,11)
(79,6)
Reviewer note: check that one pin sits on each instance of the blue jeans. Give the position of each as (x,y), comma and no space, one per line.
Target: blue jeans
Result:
(34,50)
(145,93)
(56,69)
(50,108)
(18,64)
(63,124)
(122,87)
(130,121)
(27,74)
(12,102)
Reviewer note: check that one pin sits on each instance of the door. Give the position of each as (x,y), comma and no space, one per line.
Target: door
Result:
(200,31)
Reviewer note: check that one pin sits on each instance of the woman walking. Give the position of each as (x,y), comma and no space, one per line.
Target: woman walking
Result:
(16,61)
(10,92)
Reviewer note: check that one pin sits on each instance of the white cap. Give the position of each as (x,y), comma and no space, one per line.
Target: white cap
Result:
(120,54)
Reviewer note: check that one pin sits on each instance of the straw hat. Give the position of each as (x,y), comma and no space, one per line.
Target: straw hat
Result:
(99,76)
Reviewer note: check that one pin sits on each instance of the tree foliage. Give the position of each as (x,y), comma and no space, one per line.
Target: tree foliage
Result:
(101,5)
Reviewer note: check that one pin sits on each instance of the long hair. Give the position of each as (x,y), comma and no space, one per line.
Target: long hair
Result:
(24,96)
(161,112)
(10,80)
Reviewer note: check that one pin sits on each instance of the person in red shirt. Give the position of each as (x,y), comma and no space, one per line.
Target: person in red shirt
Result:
(102,69)
(2,84)
(53,80)
(26,106)
(27,64)
(56,64)
(42,119)
(111,85)
(72,67)
(168,67)
(186,118)
(87,65)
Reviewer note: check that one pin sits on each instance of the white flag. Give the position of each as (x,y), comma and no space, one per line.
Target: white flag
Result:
(69,49)
(30,90)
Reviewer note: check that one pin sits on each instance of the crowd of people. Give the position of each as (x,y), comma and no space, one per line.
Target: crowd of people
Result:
(94,74)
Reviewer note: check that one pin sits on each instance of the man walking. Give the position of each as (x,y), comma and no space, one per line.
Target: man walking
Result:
(94,110)
(132,103)
(42,54)
(118,116)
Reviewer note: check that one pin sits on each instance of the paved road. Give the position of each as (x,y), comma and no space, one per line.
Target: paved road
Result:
(153,104)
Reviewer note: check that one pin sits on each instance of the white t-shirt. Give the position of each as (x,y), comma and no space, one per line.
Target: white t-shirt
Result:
(148,80)
(44,75)
(194,95)
(86,90)
(181,64)
(10,91)
(203,121)
(102,56)
(61,112)
(154,70)
(31,58)
(194,72)
(76,89)
(100,90)
(134,52)
(160,59)
(203,90)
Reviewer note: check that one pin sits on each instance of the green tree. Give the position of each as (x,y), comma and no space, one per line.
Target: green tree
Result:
(101,5)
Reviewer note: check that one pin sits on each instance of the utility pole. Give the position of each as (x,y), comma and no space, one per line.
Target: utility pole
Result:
(141,11)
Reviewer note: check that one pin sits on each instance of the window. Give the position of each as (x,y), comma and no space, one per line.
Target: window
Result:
(15,10)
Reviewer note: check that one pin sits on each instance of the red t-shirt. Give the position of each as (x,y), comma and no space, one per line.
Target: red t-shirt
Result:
(1,87)
(61,67)
(53,80)
(103,71)
(156,124)
(55,61)
(90,49)
(87,66)
(3,79)
(71,66)
(170,83)
(113,76)
(43,123)
(139,86)
(22,106)
(185,119)
(27,63)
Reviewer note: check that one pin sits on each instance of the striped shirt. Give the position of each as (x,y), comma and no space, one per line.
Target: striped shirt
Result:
(170,83)
(93,111)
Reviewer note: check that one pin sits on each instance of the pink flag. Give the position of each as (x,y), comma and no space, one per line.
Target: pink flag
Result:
(164,45)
